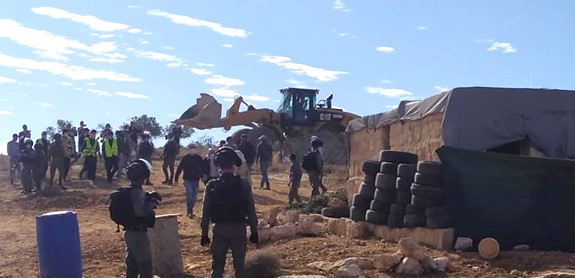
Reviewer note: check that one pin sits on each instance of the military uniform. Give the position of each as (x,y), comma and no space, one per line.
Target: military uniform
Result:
(315,175)
(56,156)
(40,166)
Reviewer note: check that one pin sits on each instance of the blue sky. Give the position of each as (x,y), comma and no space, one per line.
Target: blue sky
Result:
(105,61)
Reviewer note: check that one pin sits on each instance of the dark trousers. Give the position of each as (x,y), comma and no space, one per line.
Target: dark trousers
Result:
(293,194)
(67,161)
(229,236)
(38,174)
(139,255)
(26,177)
(111,167)
(315,180)
(169,165)
(90,163)
(264,166)
(56,164)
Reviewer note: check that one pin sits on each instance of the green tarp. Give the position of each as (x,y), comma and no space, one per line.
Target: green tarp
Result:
(514,199)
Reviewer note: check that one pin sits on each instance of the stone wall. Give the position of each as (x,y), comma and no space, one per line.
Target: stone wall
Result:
(365,144)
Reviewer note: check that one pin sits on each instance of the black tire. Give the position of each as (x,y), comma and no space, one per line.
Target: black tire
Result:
(335,212)
(403,197)
(406,171)
(366,191)
(380,207)
(395,221)
(375,217)
(397,209)
(370,167)
(357,214)
(385,195)
(413,209)
(431,180)
(369,179)
(361,202)
(429,168)
(439,222)
(426,201)
(403,184)
(426,190)
(438,211)
(385,181)
(388,168)
(414,220)
(397,157)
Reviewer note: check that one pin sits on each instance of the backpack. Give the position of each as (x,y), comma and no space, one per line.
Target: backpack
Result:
(121,210)
(228,200)
(309,161)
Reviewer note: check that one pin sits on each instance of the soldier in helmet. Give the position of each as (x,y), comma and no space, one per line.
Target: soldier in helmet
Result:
(146,150)
(28,159)
(228,202)
(56,157)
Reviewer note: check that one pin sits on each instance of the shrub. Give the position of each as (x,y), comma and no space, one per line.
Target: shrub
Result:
(339,194)
(263,264)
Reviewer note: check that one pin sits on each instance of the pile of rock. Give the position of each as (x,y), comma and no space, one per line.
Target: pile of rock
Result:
(279,223)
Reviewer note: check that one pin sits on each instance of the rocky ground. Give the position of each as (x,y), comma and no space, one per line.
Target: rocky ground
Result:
(324,255)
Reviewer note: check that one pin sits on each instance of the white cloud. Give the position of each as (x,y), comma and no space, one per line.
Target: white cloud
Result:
(175,65)
(70,71)
(194,22)
(340,6)
(421,28)
(106,60)
(6,80)
(200,71)
(24,71)
(227,45)
(385,81)
(484,40)
(385,49)
(134,30)
(441,89)
(66,84)
(256,98)
(396,93)
(224,81)
(503,46)
(205,65)
(224,92)
(91,21)
(296,83)
(92,84)
(106,36)
(43,104)
(6,113)
(168,47)
(143,41)
(131,95)
(303,69)
(158,56)
(51,55)
(96,92)
(251,54)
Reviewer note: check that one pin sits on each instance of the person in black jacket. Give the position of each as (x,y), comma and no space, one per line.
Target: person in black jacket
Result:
(146,150)
(40,165)
(192,166)
(171,149)
(248,149)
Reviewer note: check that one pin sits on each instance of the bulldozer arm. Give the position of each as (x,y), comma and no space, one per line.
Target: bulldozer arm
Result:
(205,114)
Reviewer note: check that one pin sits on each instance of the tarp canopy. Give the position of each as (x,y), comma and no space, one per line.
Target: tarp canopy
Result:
(480,118)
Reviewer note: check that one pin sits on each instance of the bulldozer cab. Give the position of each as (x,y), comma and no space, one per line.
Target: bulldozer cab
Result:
(298,107)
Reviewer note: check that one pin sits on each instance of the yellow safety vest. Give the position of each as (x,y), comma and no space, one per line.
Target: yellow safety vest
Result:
(111,150)
(89,150)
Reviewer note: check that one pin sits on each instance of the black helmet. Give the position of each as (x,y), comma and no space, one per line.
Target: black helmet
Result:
(226,157)
(139,170)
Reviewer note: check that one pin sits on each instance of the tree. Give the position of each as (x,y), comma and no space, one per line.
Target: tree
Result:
(51,131)
(186,130)
(205,141)
(146,123)
(62,124)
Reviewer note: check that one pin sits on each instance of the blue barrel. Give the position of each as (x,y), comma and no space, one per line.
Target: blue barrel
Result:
(59,253)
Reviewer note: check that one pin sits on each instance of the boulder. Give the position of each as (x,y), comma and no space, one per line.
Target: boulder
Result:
(463,243)
(309,228)
(441,263)
(323,266)
(385,262)
(411,249)
(362,263)
(409,266)
(337,227)
(337,203)
(272,214)
(287,216)
(265,234)
(428,264)
(356,229)
(318,218)
(348,271)
(286,231)
(263,223)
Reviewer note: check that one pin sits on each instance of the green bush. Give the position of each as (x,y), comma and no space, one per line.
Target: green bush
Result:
(339,194)
(263,264)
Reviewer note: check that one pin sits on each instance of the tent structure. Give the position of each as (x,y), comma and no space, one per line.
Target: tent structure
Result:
(533,122)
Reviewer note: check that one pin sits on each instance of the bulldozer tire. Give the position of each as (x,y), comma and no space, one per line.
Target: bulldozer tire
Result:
(387,196)
(385,181)
(371,167)
(397,209)
(429,168)
(335,212)
(361,202)
(406,171)
(380,207)
(357,214)
(439,222)
(414,220)
(366,191)
(424,190)
(395,221)
(403,184)
(388,168)
(397,157)
(430,180)
(403,197)
(369,179)
(375,217)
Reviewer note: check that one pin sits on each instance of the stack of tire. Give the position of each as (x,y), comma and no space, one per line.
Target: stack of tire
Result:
(387,207)
(362,200)
(428,200)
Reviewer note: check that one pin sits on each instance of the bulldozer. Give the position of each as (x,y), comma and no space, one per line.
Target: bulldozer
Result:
(289,128)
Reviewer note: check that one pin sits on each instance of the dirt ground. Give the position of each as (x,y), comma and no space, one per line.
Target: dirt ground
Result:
(103,248)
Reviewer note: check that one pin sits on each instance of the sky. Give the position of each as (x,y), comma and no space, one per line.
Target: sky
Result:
(108,60)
